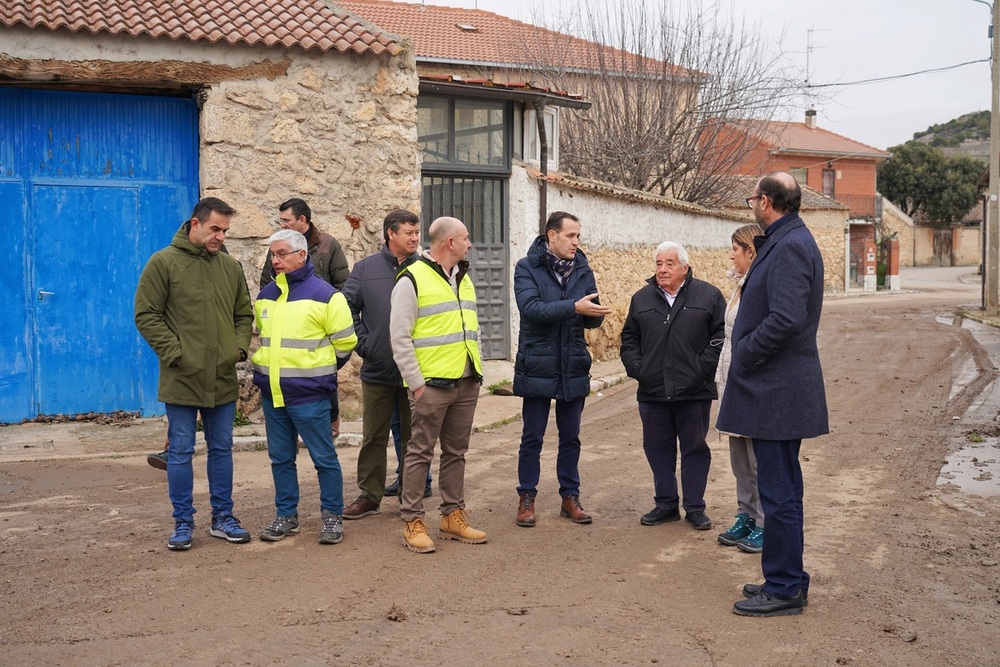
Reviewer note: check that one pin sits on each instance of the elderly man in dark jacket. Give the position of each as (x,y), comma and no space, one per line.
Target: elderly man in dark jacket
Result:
(775,393)
(557,296)
(671,343)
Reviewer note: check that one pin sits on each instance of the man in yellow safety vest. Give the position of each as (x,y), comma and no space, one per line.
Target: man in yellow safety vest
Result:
(434,333)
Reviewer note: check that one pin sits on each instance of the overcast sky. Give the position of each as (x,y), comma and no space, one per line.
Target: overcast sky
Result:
(864,39)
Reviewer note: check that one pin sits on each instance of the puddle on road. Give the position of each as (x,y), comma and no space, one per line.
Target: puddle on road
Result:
(974,469)
(947,320)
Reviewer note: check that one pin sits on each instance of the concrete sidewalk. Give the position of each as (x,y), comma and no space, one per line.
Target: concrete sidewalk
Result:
(139,437)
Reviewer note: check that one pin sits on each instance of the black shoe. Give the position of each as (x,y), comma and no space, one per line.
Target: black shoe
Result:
(659,515)
(158,460)
(750,590)
(764,604)
(393,489)
(699,520)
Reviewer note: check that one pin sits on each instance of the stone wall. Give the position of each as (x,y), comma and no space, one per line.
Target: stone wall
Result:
(620,232)
(338,131)
(829,228)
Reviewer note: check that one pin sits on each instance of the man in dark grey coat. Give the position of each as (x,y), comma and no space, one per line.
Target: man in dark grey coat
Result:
(775,393)
(557,296)
(671,342)
(368,290)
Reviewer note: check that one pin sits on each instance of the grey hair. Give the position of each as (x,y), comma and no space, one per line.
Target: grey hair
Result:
(294,240)
(682,254)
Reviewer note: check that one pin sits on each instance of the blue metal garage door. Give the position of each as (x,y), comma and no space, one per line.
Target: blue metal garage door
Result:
(90,186)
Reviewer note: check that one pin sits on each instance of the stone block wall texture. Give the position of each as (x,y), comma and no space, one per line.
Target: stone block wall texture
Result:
(339,131)
(620,232)
(828,227)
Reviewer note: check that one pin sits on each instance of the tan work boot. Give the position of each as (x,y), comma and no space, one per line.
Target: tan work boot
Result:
(454,526)
(416,538)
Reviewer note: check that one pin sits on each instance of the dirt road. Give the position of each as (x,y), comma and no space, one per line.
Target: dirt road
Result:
(905,572)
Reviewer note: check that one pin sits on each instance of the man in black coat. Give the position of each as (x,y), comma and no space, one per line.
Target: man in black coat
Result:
(671,342)
(367,291)
(775,393)
(557,296)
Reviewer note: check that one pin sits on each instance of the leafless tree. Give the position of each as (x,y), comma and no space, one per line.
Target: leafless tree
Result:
(678,90)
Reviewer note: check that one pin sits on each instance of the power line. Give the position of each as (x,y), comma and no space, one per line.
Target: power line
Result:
(897,76)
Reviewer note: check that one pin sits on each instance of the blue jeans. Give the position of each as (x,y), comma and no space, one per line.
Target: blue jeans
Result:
(182,423)
(284,425)
(664,427)
(397,441)
(779,483)
(535,415)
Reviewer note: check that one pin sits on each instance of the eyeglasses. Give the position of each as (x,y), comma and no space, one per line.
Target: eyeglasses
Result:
(750,200)
(283,254)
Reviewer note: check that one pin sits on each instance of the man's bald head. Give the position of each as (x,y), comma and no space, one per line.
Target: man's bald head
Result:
(442,228)
(782,191)
(449,241)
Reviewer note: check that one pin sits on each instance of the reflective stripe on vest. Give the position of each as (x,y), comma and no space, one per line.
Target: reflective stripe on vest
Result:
(294,342)
(446,331)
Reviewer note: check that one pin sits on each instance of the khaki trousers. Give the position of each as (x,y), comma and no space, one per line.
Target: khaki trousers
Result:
(446,414)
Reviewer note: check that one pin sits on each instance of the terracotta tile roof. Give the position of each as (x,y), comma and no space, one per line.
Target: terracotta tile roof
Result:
(309,24)
(461,35)
(786,137)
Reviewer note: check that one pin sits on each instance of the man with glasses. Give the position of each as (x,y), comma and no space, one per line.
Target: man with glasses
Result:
(306,334)
(328,258)
(193,308)
(330,264)
(774,392)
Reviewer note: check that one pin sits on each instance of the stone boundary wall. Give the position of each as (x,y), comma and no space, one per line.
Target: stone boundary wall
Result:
(619,236)
(339,131)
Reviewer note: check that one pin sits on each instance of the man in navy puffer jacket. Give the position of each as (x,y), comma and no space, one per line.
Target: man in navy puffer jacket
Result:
(557,297)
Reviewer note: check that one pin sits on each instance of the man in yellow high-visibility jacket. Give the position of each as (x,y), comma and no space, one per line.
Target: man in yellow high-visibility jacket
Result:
(434,334)
(306,334)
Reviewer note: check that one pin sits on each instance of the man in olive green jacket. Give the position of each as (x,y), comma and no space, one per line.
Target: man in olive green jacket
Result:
(193,308)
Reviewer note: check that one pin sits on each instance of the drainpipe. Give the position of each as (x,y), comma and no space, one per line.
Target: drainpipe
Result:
(543,143)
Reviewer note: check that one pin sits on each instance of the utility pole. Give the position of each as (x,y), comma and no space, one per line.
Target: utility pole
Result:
(992,242)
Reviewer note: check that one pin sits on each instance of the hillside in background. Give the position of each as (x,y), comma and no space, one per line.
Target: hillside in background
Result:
(966,135)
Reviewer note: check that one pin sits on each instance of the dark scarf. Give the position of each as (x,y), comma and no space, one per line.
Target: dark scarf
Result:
(560,267)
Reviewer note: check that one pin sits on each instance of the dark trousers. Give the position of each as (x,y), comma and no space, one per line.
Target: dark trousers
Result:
(664,425)
(779,483)
(535,414)
(380,403)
